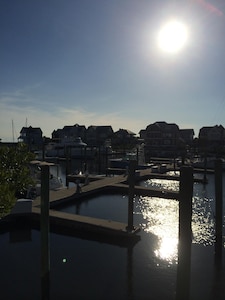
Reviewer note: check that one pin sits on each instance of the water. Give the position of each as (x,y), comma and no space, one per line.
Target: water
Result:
(92,268)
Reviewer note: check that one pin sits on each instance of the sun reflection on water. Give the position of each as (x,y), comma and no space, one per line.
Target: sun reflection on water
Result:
(203,223)
(167,249)
(162,219)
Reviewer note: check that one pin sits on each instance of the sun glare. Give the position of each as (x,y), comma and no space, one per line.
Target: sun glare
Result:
(172,36)
(167,249)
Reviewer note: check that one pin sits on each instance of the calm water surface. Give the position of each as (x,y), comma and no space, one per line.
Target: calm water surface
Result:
(89,268)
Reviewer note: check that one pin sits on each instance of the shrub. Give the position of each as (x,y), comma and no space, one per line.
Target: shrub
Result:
(14,175)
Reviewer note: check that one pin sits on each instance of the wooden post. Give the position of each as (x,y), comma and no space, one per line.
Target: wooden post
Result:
(43,149)
(45,259)
(67,166)
(106,159)
(205,169)
(185,233)
(99,159)
(85,158)
(219,208)
(131,179)
(137,155)
(185,202)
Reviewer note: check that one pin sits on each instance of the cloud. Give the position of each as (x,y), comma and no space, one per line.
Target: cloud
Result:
(58,117)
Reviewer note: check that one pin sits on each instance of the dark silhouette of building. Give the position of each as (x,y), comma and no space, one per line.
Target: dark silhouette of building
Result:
(211,138)
(32,136)
(70,132)
(162,139)
(98,135)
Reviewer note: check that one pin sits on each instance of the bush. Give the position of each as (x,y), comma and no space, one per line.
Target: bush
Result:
(7,199)
(14,175)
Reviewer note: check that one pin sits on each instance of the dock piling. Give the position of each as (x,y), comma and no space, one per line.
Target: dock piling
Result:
(131,180)
(44,226)
(219,208)
(185,233)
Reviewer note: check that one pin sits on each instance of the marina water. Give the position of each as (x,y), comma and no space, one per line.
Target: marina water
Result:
(88,267)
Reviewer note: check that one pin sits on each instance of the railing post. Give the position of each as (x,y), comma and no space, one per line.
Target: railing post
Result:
(44,226)
(131,179)
(185,233)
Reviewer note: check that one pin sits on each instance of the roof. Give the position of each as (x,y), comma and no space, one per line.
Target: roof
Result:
(30,129)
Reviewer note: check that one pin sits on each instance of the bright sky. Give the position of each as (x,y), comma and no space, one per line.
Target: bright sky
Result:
(98,62)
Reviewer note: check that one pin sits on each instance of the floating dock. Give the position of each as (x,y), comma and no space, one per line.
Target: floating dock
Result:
(87,224)
(97,184)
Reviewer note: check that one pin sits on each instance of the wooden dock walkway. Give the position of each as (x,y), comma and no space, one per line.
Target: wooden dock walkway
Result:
(85,223)
(66,194)
(117,184)
(104,184)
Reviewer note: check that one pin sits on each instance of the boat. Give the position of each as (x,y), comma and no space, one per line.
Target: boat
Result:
(123,163)
(206,163)
(68,147)
(55,181)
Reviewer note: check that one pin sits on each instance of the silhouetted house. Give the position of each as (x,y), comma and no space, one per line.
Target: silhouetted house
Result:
(70,133)
(211,136)
(161,139)
(142,134)
(31,136)
(187,135)
(98,135)
(124,139)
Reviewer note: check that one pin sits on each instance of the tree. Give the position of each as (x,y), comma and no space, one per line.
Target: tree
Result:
(14,175)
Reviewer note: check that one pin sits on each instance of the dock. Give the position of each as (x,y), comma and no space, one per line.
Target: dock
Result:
(83,223)
(97,184)
(86,224)
(114,184)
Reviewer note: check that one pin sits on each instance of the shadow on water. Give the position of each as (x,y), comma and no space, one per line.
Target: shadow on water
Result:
(20,231)
(126,242)
(218,287)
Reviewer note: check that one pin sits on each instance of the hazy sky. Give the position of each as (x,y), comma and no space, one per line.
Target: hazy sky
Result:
(97,62)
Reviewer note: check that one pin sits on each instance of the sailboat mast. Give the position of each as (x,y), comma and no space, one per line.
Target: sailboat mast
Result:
(13,131)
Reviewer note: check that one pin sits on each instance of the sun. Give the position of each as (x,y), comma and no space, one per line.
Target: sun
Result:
(173,36)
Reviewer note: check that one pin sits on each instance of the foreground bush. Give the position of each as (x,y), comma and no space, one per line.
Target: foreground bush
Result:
(14,175)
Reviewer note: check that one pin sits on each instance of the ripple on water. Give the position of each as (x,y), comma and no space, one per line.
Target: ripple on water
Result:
(161,217)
